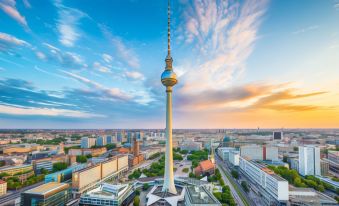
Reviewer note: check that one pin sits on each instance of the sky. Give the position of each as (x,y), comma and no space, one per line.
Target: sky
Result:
(240,64)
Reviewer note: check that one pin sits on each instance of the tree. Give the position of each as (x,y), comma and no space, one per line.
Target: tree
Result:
(221,181)
(44,171)
(285,158)
(146,186)
(58,166)
(3,174)
(245,186)
(185,170)
(136,201)
(137,192)
(81,159)
(217,195)
(235,174)
(110,146)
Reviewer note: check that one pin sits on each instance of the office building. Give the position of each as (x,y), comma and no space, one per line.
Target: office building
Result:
(49,194)
(259,152)
(224,152)
(64,175)
(108,194)
(333,156)
(234,158)
(199,196)
(91,151)
(309,160)
(324,168)
(101,141)
(3,187)
(91,176)
(109,139)
(277,135)
(309,197)
(191,145)
(11,170)
(87,142)
(273,187)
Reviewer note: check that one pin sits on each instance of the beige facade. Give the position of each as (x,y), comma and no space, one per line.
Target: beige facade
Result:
(3,187)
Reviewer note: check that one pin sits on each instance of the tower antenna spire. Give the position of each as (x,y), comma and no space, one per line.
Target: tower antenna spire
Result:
(169,59)
(169,29)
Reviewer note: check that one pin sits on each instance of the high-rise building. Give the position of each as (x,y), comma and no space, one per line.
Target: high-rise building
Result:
(109,139)
(277,135)
(309,160)
(169,79)
(119,136)
(101,141)
(87,142)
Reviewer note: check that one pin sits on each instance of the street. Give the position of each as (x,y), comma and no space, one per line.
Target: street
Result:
(9,199)
(224,169)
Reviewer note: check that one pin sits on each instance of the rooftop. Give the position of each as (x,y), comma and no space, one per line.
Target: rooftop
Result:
(200,196)
(48,188)
(108,191)
(206,165)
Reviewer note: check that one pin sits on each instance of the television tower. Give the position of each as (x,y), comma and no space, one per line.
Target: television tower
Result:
(169,79)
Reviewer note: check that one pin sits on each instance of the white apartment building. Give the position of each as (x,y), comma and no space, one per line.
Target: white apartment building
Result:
(309,160)
(273,187)
(234,157)
(224,152)
(259,152)
(87,142)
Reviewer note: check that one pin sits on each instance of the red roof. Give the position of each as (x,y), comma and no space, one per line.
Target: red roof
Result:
(206,165)
(2,182)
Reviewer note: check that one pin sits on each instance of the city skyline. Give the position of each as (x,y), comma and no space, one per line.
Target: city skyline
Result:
(270,64)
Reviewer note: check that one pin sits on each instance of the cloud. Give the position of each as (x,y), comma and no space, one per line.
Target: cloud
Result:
(255,96)
(223,34)
(134,75)
(67,24)
(274,101)
(28,111)
(107,58)
(8,41)
(126,54)
(65,59)
(21,98)
(27,4)
(112,93)
(99,67)
(307,29)
(336,6)
(9,7)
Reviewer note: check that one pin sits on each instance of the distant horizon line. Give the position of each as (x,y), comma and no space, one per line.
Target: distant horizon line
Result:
(239,128)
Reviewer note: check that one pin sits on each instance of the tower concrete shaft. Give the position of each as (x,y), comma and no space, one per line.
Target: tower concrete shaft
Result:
(169,79)
(169,176)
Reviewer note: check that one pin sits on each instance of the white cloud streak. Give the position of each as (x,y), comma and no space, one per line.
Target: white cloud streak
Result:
(225,33)
(29,111)
(9,7)
(67,24)
(113,93)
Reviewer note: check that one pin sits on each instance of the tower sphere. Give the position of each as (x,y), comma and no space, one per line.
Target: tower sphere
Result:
(169,78)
